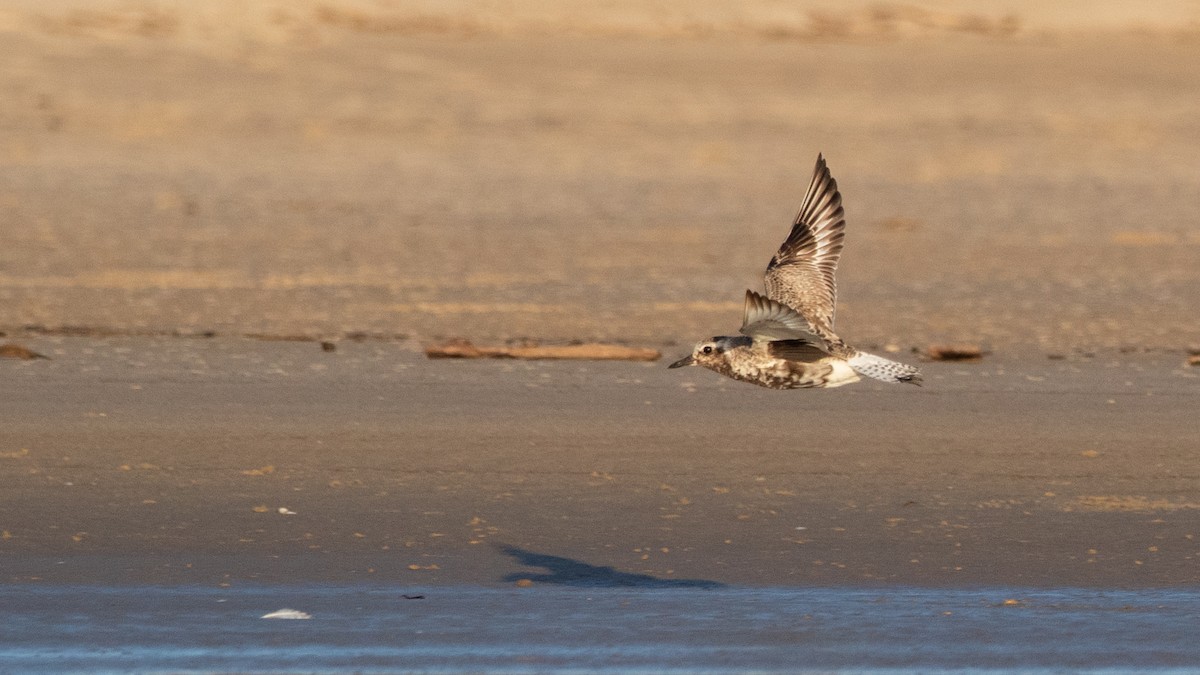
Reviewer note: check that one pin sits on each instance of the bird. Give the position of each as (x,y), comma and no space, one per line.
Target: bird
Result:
(787,339)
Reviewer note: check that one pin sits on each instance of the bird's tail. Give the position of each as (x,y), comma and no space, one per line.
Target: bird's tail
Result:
(879,368)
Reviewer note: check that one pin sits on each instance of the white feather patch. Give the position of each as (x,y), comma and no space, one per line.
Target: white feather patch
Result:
(886,370)
(842,374)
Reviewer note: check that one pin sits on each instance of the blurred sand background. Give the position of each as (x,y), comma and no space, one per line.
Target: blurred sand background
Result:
(1017,174)
(1024,176)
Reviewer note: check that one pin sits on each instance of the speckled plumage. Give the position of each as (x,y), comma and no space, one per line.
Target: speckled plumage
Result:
(788,339)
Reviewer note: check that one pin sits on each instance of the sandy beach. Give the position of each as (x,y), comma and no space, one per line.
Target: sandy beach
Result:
(167,172)
(219,461)
(233,227)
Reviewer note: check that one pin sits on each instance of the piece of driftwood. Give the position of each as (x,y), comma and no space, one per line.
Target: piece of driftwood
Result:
(15,351)
(463,349)
(959,352)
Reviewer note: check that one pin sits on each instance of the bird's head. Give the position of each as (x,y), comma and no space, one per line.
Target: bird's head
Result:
(706,353)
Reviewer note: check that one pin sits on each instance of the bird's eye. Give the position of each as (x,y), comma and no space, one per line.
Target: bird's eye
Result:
(707,349)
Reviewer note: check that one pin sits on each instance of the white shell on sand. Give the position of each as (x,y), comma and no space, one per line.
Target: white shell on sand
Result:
(287,614)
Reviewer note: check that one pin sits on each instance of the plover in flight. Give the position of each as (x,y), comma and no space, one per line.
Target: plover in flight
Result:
(787,339)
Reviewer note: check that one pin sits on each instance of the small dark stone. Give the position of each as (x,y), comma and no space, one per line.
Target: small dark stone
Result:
(954,352)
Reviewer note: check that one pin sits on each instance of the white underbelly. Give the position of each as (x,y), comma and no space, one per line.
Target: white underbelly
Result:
(842,373)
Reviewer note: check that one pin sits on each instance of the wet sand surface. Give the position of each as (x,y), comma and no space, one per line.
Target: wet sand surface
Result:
(370,628)
(225,461)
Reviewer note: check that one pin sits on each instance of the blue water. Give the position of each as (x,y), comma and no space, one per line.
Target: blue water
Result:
(58,628)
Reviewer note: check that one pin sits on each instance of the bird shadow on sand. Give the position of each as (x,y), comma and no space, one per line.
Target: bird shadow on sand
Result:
(570,572)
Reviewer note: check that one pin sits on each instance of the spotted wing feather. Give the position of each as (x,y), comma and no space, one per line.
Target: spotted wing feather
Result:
(801,274)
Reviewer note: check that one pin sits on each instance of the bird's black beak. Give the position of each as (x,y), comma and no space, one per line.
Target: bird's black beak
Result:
(685,361)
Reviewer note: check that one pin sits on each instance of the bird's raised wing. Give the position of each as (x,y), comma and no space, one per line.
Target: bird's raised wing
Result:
(767,320)
(801,275)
